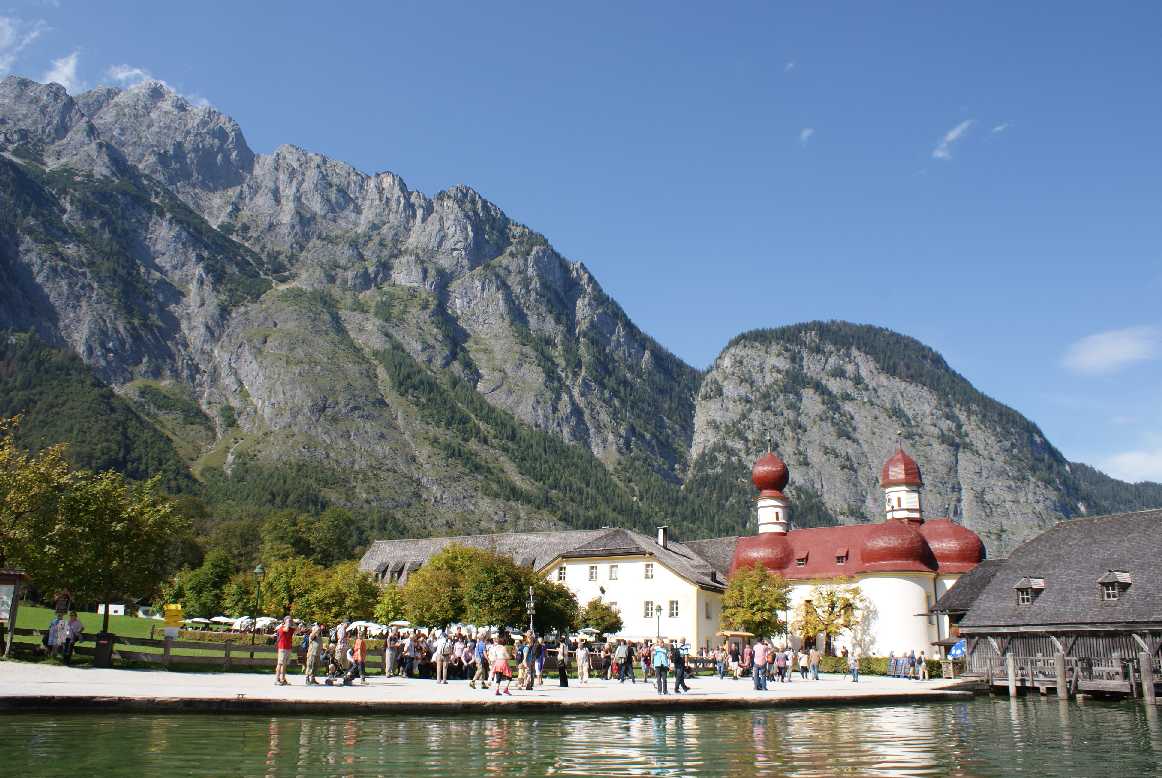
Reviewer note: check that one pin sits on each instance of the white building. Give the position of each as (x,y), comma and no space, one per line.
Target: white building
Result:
(663,587)
(660,587)
(901,565)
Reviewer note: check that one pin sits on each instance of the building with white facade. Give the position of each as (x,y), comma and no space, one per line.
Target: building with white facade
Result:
(901,565)
(666,588)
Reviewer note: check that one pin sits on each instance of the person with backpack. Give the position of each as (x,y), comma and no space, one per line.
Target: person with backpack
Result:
(442,653)
(678,662)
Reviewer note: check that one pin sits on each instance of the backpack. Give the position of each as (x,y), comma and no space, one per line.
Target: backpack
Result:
(306,644)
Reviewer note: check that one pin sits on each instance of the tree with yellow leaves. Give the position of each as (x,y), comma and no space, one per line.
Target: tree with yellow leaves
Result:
(829,610)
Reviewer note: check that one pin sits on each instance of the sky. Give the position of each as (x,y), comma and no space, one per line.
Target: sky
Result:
(984,177)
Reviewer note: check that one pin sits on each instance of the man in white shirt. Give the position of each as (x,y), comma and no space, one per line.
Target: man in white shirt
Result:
(441,653)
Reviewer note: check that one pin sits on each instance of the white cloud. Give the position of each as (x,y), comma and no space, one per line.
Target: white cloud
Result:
(127,74)
(1106,352)
(1134,466)
(791,65)
(805,135)
(64,72)
(15,36)
(943,149)
(998,128)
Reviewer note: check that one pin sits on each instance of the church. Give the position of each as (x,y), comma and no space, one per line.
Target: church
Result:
(901,565)
(667,588)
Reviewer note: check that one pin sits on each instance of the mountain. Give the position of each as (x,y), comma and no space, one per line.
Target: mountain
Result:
(307,335)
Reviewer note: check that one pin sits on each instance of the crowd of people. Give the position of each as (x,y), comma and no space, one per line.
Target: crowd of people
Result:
(62,634)
(908,666)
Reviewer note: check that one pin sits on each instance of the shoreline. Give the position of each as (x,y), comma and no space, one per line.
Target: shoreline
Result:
(202,705)
(28,688)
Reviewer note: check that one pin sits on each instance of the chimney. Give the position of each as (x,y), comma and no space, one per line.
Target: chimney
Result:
(664,537)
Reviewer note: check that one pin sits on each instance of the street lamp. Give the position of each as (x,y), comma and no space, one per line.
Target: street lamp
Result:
(259,572)
(531,607)
(658,613)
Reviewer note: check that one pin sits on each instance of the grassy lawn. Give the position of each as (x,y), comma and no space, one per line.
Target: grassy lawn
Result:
(34,617)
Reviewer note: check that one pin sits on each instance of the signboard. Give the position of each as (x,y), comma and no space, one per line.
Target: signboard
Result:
(173,620)
(7,599)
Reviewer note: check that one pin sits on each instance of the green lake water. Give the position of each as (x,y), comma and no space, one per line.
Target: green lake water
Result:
(982,737)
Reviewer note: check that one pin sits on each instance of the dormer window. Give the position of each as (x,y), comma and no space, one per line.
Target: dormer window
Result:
(841,556)
(1113,584)
(801,561)
(1028,589)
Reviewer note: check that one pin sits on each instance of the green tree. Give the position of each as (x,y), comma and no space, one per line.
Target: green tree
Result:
(288,584)
(556,606)
(753,601)
(434,594)
(390,606)
(342,591)
(601,616)
(110,539)
(330,537)
(32,487)
(200,590)
(495,591)
(829,610)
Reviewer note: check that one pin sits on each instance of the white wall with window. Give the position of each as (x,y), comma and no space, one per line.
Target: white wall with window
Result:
(677,608)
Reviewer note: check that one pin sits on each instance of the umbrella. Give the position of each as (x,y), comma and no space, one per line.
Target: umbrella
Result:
(198,621)
(222,620)
(958,651)
(400,623)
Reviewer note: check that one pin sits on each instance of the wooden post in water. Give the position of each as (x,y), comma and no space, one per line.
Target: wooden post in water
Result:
(1062,679)
(1146,662)
(1011,663)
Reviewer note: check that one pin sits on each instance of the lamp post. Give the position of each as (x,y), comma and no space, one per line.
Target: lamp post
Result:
(658,613)
(259,572)
(531,607)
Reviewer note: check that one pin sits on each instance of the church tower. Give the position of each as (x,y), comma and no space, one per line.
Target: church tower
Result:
(902,483)
(770,478)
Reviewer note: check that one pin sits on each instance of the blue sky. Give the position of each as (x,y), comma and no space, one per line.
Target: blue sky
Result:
(986,178)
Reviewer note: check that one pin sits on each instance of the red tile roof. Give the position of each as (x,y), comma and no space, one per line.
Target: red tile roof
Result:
(890,546)
(900,470)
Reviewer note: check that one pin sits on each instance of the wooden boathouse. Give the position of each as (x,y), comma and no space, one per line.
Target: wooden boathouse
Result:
(1077,609)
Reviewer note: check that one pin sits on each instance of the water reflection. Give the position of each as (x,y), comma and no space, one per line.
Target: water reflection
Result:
(982,737)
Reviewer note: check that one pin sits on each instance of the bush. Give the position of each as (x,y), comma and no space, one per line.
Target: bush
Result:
(869,665)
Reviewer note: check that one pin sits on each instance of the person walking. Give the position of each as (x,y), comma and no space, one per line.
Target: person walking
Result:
(530,660)
(563,662)
(441,653)
(623,662)
(583,663)
(803,660)
(678,662)
(359,654)
(746,665)
(284,642)
(735,660)
(479,650)
(498,666)
(921,667)
(853,665)
(813,658)
(758,659)
(660,660)
(390,653)
(539,656)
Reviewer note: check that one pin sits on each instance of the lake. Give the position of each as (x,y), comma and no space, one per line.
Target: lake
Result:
(981,737)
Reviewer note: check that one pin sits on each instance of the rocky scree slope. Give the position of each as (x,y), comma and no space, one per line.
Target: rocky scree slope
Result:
(432,358)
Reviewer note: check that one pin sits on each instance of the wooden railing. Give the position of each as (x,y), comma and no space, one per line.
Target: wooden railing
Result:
(230,654)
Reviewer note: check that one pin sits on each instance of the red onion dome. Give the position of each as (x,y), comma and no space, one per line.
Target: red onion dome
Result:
(895,546)
(770,549)
(770,475)
(900,470)
(957,549)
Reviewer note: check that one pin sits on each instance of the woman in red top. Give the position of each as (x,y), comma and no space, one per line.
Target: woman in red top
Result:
(359,654)
(285,635)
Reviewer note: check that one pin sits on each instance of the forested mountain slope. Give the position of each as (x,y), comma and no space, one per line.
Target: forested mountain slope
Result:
(306,335)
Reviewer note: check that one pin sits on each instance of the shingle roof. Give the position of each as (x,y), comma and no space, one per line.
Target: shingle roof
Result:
(968,587)
(716,551)
(537,549)
(1072,557)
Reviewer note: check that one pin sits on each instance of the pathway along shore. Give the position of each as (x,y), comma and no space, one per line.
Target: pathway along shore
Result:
(28,687)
